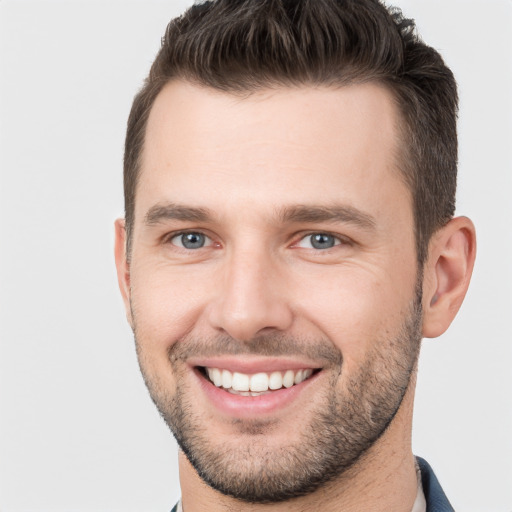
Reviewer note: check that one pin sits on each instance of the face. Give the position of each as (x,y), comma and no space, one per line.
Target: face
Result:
(272,285)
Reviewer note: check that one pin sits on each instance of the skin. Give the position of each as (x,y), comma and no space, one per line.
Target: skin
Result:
(246,161)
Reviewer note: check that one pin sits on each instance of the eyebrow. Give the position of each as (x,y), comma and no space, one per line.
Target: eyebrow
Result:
(170,211)
(308,214)
(334,213)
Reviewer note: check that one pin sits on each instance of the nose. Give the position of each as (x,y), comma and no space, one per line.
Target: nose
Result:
(251,299)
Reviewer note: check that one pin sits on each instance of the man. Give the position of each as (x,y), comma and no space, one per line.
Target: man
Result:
(290,172)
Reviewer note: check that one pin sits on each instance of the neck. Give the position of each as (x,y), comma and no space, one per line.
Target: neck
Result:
(383,479)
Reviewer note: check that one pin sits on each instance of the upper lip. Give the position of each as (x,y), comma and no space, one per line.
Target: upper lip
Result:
(252,365)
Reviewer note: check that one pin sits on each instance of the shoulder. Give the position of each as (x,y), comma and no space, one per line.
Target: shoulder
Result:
(434,494)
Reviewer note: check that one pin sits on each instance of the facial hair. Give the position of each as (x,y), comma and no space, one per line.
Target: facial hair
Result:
(349,415)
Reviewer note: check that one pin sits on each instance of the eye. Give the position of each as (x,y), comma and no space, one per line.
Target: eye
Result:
(319,241)
(191,240)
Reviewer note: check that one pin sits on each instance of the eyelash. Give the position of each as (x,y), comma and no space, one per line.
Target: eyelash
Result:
(168,239)
(338,240)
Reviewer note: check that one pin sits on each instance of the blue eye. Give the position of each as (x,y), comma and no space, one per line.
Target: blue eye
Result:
(191,240)
(319,241)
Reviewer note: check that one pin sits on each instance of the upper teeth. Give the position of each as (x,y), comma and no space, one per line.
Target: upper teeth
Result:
(257,382)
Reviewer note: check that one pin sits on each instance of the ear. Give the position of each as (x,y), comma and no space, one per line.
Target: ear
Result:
(447,273)
(123,267)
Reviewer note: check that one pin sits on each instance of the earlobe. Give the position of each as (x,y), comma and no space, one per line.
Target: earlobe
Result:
(122,266)
(447,274)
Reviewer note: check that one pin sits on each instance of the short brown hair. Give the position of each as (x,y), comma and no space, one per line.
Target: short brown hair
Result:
(245,45)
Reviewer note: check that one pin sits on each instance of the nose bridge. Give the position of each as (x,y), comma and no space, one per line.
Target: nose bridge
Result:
(249,298)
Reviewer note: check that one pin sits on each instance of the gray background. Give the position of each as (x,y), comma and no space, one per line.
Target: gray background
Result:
(77,429)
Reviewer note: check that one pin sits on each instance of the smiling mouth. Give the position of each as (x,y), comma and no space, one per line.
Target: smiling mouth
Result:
(255,384)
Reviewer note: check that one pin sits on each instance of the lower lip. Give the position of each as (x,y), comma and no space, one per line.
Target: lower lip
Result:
(239,406)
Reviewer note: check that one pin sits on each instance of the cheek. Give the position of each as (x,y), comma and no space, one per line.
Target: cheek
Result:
(357,309)
(166,303)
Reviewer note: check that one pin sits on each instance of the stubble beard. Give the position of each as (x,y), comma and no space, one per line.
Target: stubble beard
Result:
(343,426)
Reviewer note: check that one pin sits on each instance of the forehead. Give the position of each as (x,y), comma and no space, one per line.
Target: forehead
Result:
(277,146)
